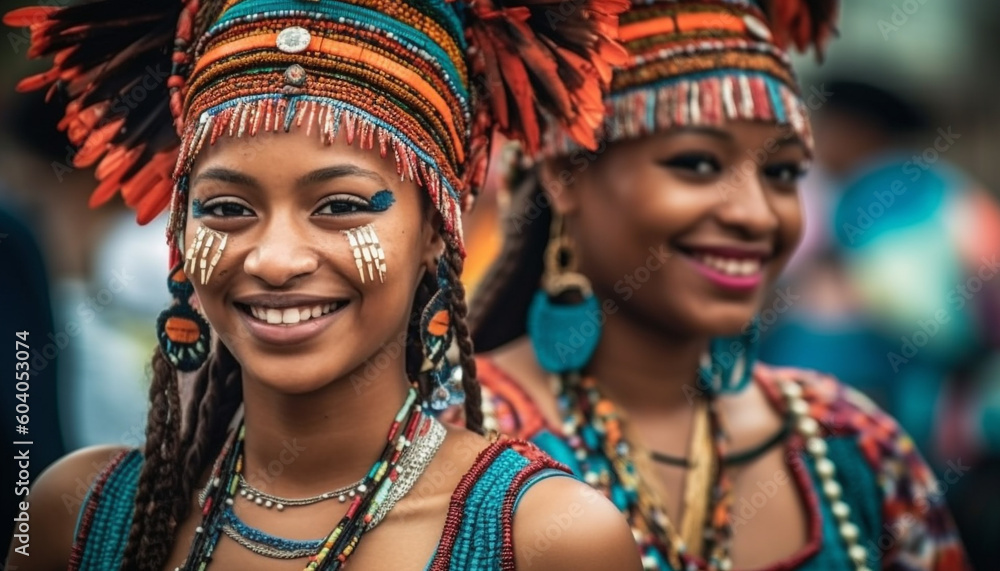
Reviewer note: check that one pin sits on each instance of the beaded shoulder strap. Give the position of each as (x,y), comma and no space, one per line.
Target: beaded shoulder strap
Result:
(106,515)
(479,531)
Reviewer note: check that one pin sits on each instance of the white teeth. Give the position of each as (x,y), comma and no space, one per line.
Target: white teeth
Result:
(291,315)
(732,266)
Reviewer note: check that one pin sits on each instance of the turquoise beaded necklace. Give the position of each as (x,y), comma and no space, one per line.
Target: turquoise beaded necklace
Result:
(330,553)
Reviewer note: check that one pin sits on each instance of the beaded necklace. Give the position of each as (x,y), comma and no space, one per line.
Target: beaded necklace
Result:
(594,429)
(334,550)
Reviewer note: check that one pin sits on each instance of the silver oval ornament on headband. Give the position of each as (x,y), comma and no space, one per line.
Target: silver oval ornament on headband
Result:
(293,40)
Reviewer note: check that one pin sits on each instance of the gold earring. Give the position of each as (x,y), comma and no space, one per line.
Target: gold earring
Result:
(196,258)
(561,273)
(368,252)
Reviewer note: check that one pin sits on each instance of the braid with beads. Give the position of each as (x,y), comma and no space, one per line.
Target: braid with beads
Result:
(500,305)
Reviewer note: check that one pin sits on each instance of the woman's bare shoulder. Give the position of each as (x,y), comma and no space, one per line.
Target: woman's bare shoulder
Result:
(564,524)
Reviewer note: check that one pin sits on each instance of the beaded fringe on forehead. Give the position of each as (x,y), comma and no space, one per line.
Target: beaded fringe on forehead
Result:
(279,113)
(707,101)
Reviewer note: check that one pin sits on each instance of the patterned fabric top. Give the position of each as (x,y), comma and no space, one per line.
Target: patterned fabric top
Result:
(478,532)
(903,519)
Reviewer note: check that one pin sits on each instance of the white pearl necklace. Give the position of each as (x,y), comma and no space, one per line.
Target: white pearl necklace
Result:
(808,428)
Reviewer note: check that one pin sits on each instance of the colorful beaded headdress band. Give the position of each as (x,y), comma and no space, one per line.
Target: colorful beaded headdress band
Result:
(424,81)
(704,62)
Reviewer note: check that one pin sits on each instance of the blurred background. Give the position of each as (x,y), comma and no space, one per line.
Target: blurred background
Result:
(893,289)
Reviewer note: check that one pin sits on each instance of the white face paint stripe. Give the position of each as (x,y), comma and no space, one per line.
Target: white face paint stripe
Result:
(368,253)
(197,256)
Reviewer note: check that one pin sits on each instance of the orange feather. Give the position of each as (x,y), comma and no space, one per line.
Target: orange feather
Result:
(28,16)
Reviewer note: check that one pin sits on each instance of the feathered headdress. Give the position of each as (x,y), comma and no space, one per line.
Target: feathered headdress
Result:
(703,62)
(112,63)
(148,83)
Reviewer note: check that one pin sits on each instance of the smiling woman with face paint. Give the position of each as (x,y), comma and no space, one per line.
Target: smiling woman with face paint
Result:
(618,326)
(322,153)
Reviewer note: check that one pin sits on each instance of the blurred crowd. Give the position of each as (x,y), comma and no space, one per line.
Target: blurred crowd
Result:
(895,290)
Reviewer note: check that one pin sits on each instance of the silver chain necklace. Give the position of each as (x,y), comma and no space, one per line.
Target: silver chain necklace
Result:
(413,462)
(266,500)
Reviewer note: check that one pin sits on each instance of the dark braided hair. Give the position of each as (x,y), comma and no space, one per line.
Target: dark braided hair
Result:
(177,455)
(152,519)
(466,355)
(174,461)
(500,305)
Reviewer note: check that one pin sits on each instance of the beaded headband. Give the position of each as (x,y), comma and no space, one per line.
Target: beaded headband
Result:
(704,62)
(424,81)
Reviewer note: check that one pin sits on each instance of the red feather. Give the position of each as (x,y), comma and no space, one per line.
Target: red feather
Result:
(38,81)
(112,181)
(100,50)
(28,16)
(545,61)
(803,23)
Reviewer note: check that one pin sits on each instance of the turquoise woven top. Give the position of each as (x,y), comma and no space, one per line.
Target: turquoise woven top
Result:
(477,547)
(860,492)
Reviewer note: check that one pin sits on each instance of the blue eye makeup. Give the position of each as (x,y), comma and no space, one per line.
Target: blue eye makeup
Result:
(382,200)
(349,203)
(334,205)
(218,209)
(197,209)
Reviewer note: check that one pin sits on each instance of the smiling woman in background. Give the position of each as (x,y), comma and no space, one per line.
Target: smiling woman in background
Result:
(618,324)
(322,153)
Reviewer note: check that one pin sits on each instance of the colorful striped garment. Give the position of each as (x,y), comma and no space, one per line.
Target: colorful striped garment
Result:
(903,521)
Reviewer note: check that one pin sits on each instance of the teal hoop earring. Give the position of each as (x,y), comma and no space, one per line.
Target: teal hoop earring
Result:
(728,367)
(563,334)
